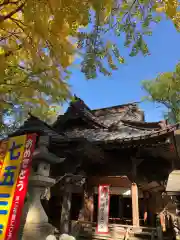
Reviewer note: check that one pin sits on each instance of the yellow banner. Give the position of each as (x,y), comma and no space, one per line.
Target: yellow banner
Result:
(11,154)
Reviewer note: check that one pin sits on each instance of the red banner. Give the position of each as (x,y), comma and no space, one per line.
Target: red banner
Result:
(103,209)
(21,189)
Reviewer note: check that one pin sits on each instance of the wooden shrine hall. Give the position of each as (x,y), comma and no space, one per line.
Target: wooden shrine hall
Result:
(111,146)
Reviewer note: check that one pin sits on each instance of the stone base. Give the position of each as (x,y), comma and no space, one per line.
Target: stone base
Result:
(35,231)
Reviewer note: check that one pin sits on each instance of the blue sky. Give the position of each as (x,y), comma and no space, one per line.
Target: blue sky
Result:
(125,84)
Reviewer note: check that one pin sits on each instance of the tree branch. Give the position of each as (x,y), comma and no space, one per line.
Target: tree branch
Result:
(126,13)
(6,2)
(9,53)
(9,15)
(18,22)
(8,36)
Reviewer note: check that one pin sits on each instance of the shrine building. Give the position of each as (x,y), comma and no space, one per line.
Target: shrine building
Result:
(85,149)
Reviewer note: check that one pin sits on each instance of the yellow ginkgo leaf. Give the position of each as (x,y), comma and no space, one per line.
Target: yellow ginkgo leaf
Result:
(1,50)
(160,9)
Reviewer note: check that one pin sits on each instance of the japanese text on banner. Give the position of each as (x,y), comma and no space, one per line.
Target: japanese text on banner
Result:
(103,209)
(21,190)
(15,164)
(8,179)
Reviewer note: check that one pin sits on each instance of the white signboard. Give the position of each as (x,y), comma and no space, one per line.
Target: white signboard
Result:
(103,209)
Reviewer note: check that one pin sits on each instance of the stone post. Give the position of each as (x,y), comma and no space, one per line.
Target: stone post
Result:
(36,224)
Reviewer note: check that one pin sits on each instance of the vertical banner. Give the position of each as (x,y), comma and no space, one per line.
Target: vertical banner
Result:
(15,164)
(3,150)
(103,209)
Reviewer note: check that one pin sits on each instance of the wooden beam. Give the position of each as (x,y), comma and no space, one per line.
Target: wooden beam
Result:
(114,181)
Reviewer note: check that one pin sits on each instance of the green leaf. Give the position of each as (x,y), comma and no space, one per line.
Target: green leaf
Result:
(121,60)
(165,89)
(157,19)
(149,33)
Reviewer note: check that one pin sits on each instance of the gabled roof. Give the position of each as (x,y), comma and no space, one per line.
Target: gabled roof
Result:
(118,124)
(35,125)
(117,109)
(121,123)
(78,110)
(98,118)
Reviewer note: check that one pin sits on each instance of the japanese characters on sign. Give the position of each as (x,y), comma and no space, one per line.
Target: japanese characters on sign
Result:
(14,173)
(103,209)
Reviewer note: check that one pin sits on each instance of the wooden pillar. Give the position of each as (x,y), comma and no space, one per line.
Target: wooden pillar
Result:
(66,208)
(87,211)
(135,205)
(134,193)
(145,205)
(88,205)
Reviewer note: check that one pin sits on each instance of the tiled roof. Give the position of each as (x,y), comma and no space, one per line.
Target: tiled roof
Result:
(78,110)
(120,123)
(123,134)
(107,118)
(35,125)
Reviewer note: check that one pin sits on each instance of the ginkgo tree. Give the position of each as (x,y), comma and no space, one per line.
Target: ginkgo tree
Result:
(40,38)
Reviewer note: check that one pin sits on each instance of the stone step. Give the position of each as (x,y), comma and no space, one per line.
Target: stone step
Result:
(134,236)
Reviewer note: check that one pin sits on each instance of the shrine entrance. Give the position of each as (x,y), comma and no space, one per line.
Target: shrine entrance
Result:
(120,211)
(130,207)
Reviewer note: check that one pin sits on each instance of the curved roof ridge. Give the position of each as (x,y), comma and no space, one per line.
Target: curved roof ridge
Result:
(87,113)
(82,109)
(152,134)
(117,106)
(146,125)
